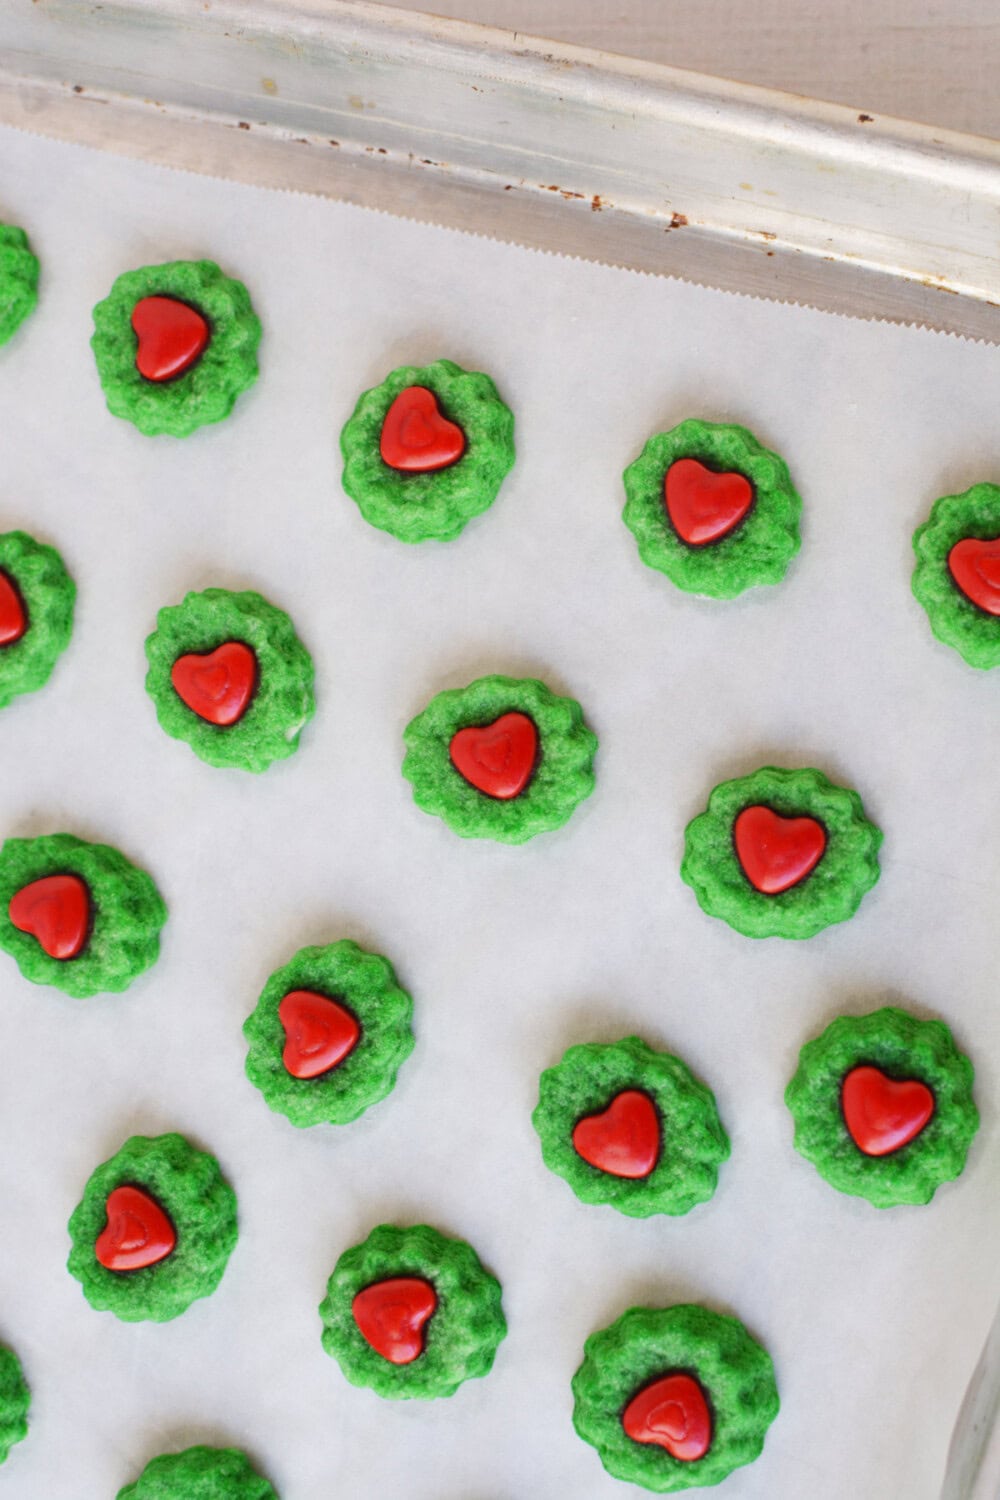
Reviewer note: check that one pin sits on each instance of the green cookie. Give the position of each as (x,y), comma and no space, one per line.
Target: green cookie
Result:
(126,914)
(757,549)
(200,1474)
(692,1142)
(458,1341)
(904,1051)
(33,577)
(646,1345)
(830,892)
(188,1186)
(361,990)
(207,389)
(559,773)
(415,506)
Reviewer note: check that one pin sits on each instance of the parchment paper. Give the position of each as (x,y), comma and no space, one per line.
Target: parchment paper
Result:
(874,1319)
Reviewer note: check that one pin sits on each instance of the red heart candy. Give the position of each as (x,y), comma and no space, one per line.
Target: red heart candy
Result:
(672,1413)
(882,1113)
(704,505)
(391,1316)
(217,685)
(171,336)
(625,1139)
(975,567)
(416,437)
(320,1033)
(56,911)
(137,1234)
(777,852)
(498,758)
(13,615)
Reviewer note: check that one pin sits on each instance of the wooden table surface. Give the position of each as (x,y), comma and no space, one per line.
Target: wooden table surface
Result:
(931,60)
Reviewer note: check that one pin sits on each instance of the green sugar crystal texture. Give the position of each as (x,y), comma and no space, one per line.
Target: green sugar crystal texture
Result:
(283,700)
(189,1186)
(416,507)
(902,1047)
(830,893)
(48,595)
(563,776)
(364,983)
(643,1345)
(693,1142)
(18,280)
(462,1336)
(207,390)
(954,618)
(756,551)
(127,913)
(200,1474)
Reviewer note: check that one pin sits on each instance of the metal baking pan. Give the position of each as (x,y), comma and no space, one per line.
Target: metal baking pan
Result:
(557,147)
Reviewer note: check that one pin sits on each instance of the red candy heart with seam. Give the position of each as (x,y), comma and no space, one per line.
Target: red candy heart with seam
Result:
(217,685)
(13,616)
(673,1414)
(497,758)
(172,336)
(56,911)
(882,1113)
(391,1315)
(319,1033)
(702,504)
(137,1234)
(975,567)
(416,437)
(624,1139)
(776,852)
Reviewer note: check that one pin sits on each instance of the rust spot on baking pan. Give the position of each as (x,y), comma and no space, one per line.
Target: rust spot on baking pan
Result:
(243,125)
(677,221)
(866,119)
(596,203)
(766,234)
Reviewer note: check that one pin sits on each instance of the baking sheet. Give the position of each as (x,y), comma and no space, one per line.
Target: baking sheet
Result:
(874,1318)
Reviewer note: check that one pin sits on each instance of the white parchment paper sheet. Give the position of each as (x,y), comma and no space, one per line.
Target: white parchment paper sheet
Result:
(874,1319)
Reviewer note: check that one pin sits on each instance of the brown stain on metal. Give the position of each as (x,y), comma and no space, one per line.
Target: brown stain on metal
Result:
(677,221)
(866,119)
(243,125)
(766,234)
(596,203)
